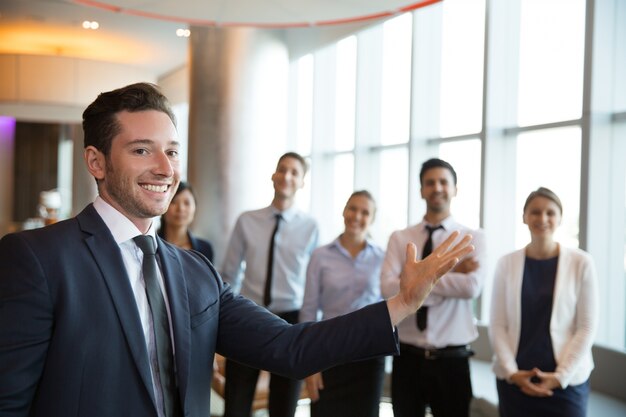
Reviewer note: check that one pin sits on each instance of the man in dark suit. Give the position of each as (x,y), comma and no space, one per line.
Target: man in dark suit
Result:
(79,332)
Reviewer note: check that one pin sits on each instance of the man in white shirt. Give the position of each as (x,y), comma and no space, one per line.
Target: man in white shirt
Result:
(275,244)
(433,367)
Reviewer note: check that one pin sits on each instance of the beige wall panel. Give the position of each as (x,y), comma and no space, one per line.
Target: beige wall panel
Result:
(175,85)
(8,77)
(95,77)
(47,113)
(47,79)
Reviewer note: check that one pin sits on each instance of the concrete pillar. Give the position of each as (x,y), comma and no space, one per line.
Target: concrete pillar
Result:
(237,123)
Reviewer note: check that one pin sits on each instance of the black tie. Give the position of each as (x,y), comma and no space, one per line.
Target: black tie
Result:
(422,313)
(161,325)
(267,293)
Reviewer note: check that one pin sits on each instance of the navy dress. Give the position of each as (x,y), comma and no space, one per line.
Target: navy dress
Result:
(535,350)
(201,245)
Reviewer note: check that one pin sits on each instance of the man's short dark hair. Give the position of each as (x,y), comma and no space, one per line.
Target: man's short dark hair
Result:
(99,118)
(296,156)
(436,163)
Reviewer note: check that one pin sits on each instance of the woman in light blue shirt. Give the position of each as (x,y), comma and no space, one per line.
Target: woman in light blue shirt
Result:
(344,276)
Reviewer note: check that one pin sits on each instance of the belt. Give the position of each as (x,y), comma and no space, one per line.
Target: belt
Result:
(462,351)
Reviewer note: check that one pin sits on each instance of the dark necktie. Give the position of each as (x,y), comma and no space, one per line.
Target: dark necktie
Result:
(161,325)
(267,293)
(422,313)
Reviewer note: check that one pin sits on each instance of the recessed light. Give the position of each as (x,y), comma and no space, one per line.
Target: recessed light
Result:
(87,24)
(183,33)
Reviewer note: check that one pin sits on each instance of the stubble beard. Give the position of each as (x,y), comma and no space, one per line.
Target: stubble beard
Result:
(122,193)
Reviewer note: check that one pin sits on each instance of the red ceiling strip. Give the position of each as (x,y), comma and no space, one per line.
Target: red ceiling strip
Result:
(424,3)
(202,22)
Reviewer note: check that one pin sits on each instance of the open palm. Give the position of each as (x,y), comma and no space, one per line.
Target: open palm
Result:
(419,277)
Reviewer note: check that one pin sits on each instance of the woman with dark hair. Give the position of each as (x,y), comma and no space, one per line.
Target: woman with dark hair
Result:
(543,319)
(177,219)
(344,276)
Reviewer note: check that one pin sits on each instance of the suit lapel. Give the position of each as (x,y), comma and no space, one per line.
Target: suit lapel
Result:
(176,287)
(107,255)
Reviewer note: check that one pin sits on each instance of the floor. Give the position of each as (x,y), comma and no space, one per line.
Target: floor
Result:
(484,386)
(303,410)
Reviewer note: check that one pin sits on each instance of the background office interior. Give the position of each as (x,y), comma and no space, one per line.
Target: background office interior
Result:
(515,94)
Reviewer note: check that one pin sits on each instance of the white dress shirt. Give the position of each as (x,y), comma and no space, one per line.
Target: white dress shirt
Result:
(451,319)
(245,263)
(123,231)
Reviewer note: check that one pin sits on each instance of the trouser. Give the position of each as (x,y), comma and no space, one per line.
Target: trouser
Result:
(442,383)
(240,386)
(351,390)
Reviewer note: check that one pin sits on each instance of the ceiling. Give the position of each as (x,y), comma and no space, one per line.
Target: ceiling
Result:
(143,32)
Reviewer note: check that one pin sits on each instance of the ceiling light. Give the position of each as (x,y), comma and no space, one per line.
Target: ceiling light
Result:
(183,33)
(91,25)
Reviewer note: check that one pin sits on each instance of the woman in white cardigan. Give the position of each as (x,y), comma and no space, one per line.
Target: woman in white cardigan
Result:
(543,319)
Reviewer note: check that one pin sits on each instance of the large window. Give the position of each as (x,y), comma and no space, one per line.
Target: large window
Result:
(551,60)
(465,158)
(304,104)
(396,80)
(345,99)
(463,31)
(514,97)
(537,167)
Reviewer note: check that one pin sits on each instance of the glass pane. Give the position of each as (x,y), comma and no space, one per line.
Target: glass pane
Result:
(462,67)
(551,61)
(538,166)
(619,57)
(343,186)
(346,94)
(396,85)
(303,199)
(465,158)
(392,199)
(304,116)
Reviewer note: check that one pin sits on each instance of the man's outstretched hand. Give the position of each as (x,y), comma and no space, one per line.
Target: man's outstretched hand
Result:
(419,277)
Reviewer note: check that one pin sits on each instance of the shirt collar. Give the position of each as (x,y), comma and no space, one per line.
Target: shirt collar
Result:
(447,223)
(120,226)
(287,214)
(337,244)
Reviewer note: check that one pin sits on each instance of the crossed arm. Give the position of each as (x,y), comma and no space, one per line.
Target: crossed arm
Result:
(419,277)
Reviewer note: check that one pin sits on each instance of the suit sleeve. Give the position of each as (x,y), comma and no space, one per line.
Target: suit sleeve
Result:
(26,322)
(251,335)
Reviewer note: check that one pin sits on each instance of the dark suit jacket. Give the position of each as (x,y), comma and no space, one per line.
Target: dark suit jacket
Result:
(71,342)
(201,245)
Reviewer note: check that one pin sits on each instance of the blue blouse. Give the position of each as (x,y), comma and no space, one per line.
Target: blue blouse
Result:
(337,284)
